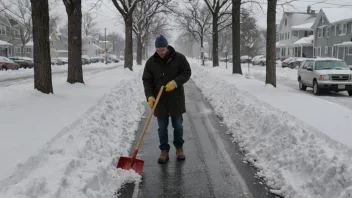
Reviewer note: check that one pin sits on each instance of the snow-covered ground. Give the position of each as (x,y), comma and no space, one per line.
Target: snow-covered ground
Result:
(67,144)
(55,69)
(301,144)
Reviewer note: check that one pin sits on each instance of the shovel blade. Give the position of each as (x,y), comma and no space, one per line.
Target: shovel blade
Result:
(127,163)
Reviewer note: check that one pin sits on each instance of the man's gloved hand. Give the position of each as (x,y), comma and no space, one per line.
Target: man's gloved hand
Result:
(151,101)
(170,86)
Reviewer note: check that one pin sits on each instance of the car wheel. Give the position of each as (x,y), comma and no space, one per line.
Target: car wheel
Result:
(4,68)
(316,89)
(350,93)
(302,86)
(262,63)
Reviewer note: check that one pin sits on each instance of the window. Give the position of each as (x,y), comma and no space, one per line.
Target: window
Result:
(323,30)
(2,30)
(294,33)
(328,32)
(18,50)
(314,52)
(286,22)
(319,33)
(322,20)
(319,51)
(288,35)
(343,29)
(349,51)
(29,50)
(16,34)
(326,49)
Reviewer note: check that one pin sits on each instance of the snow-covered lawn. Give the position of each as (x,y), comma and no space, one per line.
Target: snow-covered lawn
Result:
(300,144)
(67,144)
(25,73)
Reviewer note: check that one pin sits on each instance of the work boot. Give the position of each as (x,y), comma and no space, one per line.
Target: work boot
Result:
(180,154)
(164,157)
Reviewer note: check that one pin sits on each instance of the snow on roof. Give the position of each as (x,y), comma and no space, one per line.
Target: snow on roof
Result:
(336,15)
(305,41)
(4,43)
(346,43)
(97,46)
(305,26)
(300,18)
(29,44)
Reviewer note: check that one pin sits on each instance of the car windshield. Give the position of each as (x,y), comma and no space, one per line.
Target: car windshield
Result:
(330,64)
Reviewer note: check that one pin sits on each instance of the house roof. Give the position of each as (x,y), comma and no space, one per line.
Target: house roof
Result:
(298,18)
(29,44)
(4,43)
(335,15)
(305,26)
(305,41)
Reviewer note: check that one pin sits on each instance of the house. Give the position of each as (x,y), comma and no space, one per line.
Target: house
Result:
(333,33)
(294,34)
(11,43)
(58,45)
(90,46)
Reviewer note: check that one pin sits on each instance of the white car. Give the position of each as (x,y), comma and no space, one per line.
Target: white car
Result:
(325,74)
(259,60)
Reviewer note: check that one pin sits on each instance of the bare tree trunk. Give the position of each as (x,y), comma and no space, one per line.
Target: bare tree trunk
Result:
(270,44)
(236,37)
(215,41)
(202,47)
(74,13)
(139,49)
(129,42)
(42,69)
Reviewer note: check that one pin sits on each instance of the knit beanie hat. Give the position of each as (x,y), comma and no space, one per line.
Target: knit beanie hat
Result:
(161,42)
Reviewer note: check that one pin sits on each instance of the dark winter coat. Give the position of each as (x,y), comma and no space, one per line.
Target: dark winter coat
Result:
(158,72)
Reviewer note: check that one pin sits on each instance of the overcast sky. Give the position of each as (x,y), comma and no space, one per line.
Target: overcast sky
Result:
(108,17)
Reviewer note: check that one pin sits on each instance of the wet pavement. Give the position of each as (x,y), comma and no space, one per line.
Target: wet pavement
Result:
(213,165)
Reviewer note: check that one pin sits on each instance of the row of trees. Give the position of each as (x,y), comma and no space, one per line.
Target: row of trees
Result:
(201,18)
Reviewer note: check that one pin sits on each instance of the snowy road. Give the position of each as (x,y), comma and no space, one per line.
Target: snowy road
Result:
(213,166)
(288,77)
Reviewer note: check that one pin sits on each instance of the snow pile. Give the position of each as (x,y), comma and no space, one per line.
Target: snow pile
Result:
(295,159)
(55,69)
(80,160)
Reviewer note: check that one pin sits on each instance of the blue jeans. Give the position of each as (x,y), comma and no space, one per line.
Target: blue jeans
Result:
(163,123)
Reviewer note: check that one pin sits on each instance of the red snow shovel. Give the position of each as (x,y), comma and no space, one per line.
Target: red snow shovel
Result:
(133,163)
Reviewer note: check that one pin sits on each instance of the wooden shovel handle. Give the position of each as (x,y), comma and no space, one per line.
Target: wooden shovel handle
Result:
(148,120)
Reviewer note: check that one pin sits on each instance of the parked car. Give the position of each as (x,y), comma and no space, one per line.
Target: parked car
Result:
(57,61)
(246,59)
(325,74)
(6,63)
(292,62)
(85,61)
(259,60)
(23,62)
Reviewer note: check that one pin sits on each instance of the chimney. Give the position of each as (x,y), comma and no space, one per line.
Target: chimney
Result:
(308,9)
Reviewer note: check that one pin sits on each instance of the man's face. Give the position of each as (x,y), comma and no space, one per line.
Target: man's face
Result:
(162,51)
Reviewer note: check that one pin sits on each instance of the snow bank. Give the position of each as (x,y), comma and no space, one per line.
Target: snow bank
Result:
(295,159)
(80,160)
(26,73)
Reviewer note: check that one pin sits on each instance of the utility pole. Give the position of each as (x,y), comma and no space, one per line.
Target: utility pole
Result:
(105,49)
